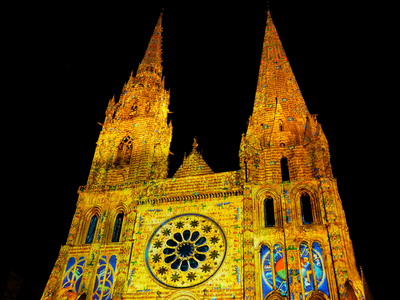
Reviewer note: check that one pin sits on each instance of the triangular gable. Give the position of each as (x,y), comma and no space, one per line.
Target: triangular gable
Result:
(193,165)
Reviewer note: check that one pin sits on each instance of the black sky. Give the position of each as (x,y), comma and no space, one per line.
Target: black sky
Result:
(68,63)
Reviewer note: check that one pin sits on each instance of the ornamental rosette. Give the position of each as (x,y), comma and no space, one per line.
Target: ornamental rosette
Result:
(185,251)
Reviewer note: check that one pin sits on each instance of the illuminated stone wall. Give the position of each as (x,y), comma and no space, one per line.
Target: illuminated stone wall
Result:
(200,234)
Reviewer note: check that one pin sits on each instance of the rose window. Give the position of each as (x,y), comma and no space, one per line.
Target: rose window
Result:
(185,250)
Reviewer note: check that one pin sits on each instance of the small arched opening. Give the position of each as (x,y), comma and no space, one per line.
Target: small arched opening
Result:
(285,169)
(117,227)
(91,230)
(350,294)
(306,209)
(269,213)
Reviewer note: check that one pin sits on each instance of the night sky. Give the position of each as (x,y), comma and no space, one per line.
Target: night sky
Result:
(73,60)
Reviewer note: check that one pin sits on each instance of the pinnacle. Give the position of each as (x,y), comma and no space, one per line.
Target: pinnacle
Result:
(152,58)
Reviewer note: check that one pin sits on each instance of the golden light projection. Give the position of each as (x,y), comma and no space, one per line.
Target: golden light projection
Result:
(186,250)
(275,229)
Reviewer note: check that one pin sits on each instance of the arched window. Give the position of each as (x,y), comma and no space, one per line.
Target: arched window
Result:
(273,273)
(269,214)
(73,274)
(104,280)
(313,275)
(285,169)
(92,229)
(350,294)
(117,227)
(124,151)
(306,210)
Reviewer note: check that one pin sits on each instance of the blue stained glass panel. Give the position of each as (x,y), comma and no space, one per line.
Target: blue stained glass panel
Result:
(69,272)
(117,228)
(109,280)
(92,227)
(79,272)
(319,269)
(306,271)
(99,282)
(266,272)
(280,271)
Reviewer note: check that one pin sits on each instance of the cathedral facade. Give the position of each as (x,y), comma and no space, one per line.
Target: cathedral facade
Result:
(275,229)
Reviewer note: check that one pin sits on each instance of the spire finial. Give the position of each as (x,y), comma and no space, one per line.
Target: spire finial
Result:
(152,57)
(195,144)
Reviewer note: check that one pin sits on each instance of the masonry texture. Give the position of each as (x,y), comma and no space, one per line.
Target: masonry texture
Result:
(137,234)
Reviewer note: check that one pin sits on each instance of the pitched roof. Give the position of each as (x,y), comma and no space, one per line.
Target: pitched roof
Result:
(193,164)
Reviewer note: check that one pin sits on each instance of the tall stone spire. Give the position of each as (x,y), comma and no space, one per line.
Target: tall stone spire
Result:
(280,123)
(152,58)
(134,144)
(277,94)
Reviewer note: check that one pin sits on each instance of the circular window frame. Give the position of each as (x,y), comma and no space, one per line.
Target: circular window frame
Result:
(149,243)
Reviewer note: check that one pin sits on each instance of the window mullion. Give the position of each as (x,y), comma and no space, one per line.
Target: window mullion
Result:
(299,255)
(104,278)
(273,266)
(312,268)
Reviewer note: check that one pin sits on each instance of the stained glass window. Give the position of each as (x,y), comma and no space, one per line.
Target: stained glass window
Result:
(69,273)
(92,228)
(104,278)
(319,269)
(73,273)
(124,151)
(312,269)
(269,217)
(280,272)
(266,272)
(306,271)
(185,251)
(117,227)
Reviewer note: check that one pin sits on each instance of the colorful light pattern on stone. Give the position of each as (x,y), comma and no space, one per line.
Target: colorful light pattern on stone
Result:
(185,251)
(165,250)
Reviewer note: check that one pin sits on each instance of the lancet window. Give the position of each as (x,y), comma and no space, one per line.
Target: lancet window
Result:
(91,230)
(103,285)
(117,227)
(306,209)
(124,152)
(273,270)
(285,169)
(269,212)
(313,275)
(73,273)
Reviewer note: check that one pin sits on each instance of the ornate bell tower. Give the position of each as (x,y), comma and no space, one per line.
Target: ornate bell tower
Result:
(295,222)
(135,139)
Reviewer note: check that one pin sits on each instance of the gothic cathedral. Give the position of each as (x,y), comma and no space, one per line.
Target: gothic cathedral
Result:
(275,229)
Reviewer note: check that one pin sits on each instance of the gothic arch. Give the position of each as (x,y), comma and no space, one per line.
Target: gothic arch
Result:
(85,222)
(123,151)
(351,295)
(260,196)
(117,209)
(66,293)
(317,295)
(263,243)
(183,295)
(300,190)
(274,295)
